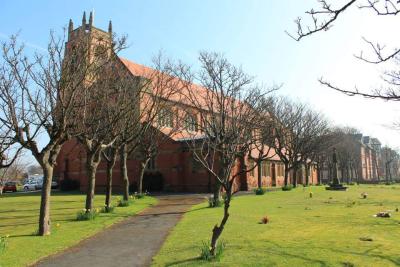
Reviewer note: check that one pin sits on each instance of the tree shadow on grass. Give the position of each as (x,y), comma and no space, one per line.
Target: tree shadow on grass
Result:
(17,210)
(273,249)
(16,217)
(393,259)
(280,251)
(197,209)
(25,235)
(37,193)
(21,194)
(17,224)
(187,261)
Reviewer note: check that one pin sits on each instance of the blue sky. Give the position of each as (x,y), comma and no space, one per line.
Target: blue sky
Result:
(250,33)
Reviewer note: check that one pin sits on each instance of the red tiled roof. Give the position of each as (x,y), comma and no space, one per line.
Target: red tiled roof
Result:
(137,69)
(196,91)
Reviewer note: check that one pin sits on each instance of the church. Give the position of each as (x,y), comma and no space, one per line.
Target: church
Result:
(174,169)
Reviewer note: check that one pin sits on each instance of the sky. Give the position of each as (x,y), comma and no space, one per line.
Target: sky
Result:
(250,33)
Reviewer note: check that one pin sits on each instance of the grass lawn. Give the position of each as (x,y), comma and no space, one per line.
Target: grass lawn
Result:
(324,230)
(19,216)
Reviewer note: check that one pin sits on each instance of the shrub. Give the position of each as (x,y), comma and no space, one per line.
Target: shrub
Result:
(219,250)
(124,203)
(3,243)
(69,185)
(139,196)
(287,187)
(87,215)
(212,203)
(264,220)
(260,191)
(205,253)
(109,209)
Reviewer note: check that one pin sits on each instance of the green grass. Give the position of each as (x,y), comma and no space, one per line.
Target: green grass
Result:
(324,230)
(19,216)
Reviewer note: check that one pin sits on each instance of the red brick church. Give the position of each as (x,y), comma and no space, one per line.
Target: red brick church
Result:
(174,166)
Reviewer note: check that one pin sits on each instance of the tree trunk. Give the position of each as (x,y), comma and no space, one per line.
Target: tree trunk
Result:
(217,191)
(351,173)
(110,167)
(387,173)
(217,185)
(124,171)
(294,182)
(286,174)
(92,162)
(342,174)
(1,190)
(44,214)
(307,174)
(259,182)
(319,178)
(142,170)
(217,230)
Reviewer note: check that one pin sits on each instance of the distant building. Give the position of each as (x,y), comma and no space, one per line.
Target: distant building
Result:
(359,159)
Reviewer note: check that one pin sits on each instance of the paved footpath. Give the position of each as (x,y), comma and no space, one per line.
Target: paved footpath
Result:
(132,242)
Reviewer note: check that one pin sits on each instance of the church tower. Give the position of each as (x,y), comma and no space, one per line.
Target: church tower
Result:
(92,40)
(87,46)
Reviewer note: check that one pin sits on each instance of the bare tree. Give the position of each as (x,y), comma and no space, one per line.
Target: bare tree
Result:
(224,107)
(104,109)
(149,143)
(300,136)
(348,146)
(316,137)
(323,18)
(390,158)
(125,128)
(38,100)
(110,156)
(151,123)
(158,123)
(289,127)
(262,148)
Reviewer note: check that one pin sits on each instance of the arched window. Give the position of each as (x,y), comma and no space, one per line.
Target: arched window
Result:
(265,168)
(165,118)
(190,123)
(251,167)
